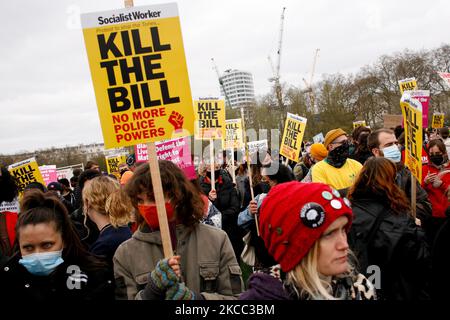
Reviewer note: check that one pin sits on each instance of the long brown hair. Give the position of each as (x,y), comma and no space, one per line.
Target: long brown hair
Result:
(377,178)
(184,197)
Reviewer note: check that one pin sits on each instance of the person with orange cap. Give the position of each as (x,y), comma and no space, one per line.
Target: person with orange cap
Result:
(304,227)
(317,152)
(337,169)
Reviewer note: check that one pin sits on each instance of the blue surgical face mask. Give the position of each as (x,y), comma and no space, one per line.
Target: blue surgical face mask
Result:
(42,264)
(392,153)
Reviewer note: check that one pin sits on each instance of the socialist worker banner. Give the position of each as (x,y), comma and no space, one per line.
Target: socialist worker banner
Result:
(407,84)
(138,68)
(25,172)
(233,134)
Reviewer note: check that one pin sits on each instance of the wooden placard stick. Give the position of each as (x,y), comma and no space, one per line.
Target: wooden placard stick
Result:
(211,160)
(249,169)
(155,176)
(413,196)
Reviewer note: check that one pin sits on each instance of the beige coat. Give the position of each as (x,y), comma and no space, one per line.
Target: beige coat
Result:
(208,262)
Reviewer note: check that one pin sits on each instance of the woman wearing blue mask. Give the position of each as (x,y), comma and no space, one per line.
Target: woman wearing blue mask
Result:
(50,263)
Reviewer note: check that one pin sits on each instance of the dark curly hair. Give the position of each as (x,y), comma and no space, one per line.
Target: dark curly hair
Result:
(185,199)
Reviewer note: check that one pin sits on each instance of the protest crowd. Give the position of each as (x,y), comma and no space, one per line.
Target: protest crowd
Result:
(361,215)
(337,224)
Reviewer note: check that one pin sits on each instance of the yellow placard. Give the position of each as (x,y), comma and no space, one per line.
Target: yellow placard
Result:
(361,123)
(412,117)
(209,119)
(407,84)
(113,162)
(294,129)
(25,172)
(438,120)
(139,73)
(233,134)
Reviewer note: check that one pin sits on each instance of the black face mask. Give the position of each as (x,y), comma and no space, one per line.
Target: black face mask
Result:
(437,159)
(339,155)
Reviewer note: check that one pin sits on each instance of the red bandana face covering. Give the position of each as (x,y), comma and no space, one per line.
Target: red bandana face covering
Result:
(150,215)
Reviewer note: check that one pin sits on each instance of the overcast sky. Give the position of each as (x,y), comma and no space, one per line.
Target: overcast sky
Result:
(47,98)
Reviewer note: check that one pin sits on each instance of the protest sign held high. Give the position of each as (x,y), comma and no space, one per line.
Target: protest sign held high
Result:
(209,119)
(113,162)
(411,106)
(233,134)
(319,138)
(176,150)
(361,123)
(48,173)
(291,143)
(407,84)
(25,172)
(438,120)
(139,72)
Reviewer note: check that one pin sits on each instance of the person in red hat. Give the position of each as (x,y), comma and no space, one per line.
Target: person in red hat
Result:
(304,227)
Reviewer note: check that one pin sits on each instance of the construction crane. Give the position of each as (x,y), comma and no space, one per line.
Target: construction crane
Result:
(309,89)
(276,70)
(221,83)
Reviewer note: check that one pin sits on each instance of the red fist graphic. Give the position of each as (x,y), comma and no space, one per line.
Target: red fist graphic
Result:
(176,120)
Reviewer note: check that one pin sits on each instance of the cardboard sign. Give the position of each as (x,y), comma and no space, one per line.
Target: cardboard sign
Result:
(113,162)
(49,174)
(438,120)
(141,153)
(176,150)
(139,73)
(412,113)
(209,119)
(25,172)
(361,123)
(291,143)
(179,152)
(392,120)
(233,134)
(446,77)
(319,138)
(255,146)
(407,84)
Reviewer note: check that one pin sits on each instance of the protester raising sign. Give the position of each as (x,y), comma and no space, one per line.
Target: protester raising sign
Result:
(25,172)
(113,162)
(438,120)
(48,174)
(139,72)
(233,134)
(407,84)
(361,123)
(411,106)
(291,143)
(176,150)
(209,119)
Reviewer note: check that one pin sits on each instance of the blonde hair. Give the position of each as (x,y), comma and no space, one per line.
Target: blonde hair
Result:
(306,279)
(96,191)
(119,207)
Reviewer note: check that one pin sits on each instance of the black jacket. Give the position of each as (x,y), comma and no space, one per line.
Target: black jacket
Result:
(228,204)
(398,248)
(61,285)
(441,263)
(423,205)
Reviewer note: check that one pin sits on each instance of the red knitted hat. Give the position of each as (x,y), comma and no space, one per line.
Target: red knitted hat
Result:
(294,215)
